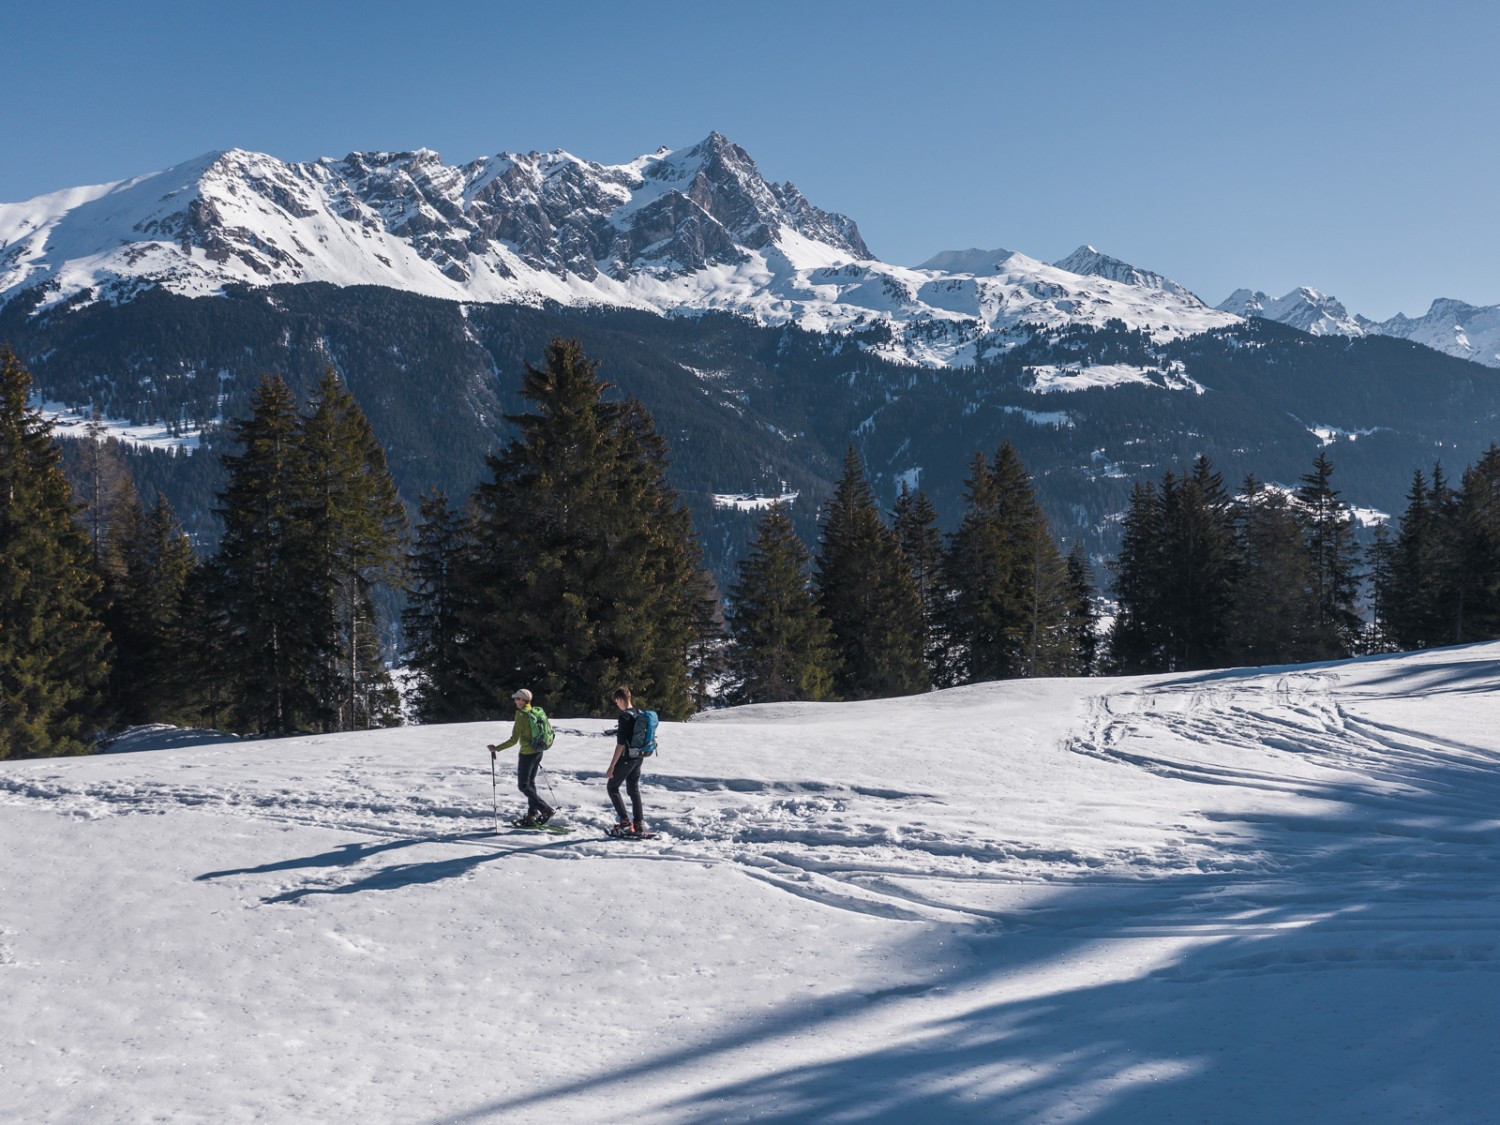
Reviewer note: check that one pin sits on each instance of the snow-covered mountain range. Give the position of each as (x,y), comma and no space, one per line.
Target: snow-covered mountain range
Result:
(672,232)
(1452,327)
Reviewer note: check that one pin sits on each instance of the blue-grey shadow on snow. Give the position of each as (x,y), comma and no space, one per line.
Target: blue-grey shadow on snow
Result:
(1358,979)
(391,876)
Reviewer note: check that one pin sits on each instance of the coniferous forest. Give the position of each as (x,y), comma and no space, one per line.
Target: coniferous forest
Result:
(574,566)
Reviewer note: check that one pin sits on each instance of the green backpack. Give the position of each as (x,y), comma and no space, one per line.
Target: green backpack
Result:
(541,730)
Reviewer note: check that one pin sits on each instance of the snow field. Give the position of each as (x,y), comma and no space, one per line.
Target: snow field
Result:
(1264,895)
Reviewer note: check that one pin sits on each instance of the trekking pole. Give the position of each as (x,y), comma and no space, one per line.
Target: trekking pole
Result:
(547,777)
(495,792)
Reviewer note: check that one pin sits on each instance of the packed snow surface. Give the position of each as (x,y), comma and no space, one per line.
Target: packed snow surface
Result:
(1246,896)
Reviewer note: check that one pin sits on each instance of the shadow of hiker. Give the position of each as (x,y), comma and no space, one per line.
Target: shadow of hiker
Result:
(391,877)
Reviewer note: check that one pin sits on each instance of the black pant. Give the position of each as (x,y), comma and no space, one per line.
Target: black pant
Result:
(627,773)
(526,782)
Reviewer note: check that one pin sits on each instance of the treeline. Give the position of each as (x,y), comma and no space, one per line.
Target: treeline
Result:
(574,566)
(1205,579)
(891,608)
(108,618)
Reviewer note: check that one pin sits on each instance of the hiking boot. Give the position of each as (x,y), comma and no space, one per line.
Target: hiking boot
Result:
(544,816)
(527,821)
(638,828)
(624,828)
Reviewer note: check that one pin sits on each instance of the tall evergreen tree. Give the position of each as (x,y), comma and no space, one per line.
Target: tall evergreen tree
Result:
(1335,562)
(1007,604)
(867,595)
(1139,639)
(915,521)
(1380,558)
(106,491)
(270,600)
(52,646)
(359,530)
(443,690)
(1082,614)
(1479,547)
(586,571)
(149,616)
(779,645)
(1200,552)
(1273,615)
(1175,574)
(1421,603)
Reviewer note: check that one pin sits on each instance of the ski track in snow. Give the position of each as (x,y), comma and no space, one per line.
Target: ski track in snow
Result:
(1394,807)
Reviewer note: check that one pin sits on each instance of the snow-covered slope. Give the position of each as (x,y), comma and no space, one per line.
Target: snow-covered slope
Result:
(1242,896)
(673,232)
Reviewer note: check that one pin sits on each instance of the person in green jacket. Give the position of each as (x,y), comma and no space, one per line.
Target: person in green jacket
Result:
(538,812)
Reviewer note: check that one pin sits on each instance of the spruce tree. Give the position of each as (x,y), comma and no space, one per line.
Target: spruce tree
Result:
(1175,575)
(1007,604)
(867,594)
(1335,559)
(1379,636)
(104,487)
(1479,546)
(585,572)
(979,614)
(442,690)
(915,521)
(149,616)
(1274,604)
(1082,614)
(359,529)
(778,643)
(1139,640)
(1421,603)
(1198,555)
(52,646)
(271,601)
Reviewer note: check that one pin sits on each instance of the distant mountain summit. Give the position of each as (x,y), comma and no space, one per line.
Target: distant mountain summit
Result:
(1452,327)
(1306,309)
(1459,329)
(1091,263)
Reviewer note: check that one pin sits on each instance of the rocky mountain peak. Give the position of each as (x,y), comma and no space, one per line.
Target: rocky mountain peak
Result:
(1089,262)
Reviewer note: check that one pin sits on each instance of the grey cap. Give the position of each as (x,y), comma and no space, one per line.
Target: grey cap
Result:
(522,694)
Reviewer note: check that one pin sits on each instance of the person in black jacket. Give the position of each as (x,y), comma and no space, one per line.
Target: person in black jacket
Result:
(625,769)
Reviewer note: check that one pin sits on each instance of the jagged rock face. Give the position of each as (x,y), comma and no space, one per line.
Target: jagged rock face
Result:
(1453,327)
(1091,263)
(1304,309)
(268,221)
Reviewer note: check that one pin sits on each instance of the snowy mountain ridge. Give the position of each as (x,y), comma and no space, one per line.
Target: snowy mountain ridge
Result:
(1452,327)
(673,232)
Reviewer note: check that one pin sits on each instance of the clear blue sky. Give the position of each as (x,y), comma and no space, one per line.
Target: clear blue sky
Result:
(1348,146)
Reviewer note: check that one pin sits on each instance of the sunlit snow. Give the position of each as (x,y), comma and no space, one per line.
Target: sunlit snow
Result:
(1257,895)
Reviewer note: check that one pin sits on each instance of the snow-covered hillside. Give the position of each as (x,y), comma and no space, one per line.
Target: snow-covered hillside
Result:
(675,232)
(1243,896)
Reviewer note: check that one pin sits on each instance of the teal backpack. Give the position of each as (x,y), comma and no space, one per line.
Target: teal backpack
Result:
(643,736)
